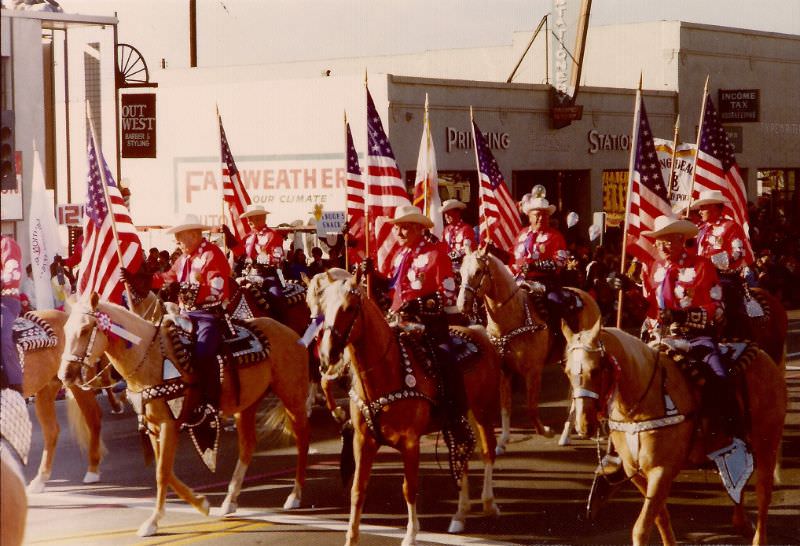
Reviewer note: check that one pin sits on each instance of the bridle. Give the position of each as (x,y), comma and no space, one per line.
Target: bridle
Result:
(341,336)
(484,271)
(576,380)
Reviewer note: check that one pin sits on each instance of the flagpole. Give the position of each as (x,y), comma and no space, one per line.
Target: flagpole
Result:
(366,201)
(478,167)
(425,188)
(347,232)
(104,184)
(674,155)
(634,145)
(222,187)
(697,145)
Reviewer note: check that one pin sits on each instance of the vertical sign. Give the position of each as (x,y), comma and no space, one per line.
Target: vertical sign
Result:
(138,125)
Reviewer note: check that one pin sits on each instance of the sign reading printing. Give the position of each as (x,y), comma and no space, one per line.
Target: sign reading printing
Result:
(738,105)
(289,187)
(138,125)
(331,222)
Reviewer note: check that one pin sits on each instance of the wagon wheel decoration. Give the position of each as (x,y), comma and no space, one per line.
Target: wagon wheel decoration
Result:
(131,67)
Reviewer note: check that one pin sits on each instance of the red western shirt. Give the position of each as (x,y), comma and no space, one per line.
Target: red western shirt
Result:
(421,271)
(533,246)
(206,268)
(460,237)
(266,242)
(725,244)
(10,263)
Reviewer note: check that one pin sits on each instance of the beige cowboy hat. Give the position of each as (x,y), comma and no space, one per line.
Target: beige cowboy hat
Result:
(189,221)
(529,203)
(452,204)
(709,197)
(409,214)
(254,210)
(667,225)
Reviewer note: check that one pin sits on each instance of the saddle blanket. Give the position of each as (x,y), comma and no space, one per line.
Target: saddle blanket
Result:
(461,348)
(32,333)
(245,347)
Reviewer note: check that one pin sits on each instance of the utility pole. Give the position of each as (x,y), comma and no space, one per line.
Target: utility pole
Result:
(193,33)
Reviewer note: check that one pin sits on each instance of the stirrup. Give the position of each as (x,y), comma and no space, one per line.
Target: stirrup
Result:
(735,464)
(200,413)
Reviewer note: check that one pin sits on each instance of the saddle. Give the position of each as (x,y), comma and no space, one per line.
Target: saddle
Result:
(736,356)
(460,347)
(31,333)
(292,293)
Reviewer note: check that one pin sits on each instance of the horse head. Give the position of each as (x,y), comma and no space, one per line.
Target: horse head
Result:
(84,342)
(475,277)
(587,375)
(342,310)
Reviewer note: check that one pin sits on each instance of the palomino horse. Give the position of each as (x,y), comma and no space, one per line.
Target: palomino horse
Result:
(39,379)
(13,502)
(398,403)
(520,336)
(285,371)
(654,447)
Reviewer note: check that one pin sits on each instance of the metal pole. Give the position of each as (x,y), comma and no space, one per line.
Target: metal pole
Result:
(116,112)
(193,33)
(530,43)
(697,145)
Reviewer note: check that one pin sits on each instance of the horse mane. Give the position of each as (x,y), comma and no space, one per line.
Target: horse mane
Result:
(500,267)
(632,347)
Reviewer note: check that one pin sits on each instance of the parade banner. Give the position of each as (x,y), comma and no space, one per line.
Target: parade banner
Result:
(681,182)
(288,187)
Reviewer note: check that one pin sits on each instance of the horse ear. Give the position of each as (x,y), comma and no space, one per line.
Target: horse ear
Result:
(595,331)
(566,330)
(304,278)
(94,299)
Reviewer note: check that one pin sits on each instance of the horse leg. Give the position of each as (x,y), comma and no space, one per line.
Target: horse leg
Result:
(654,488)
(564,439)
(330,401)
(13,502)
(164,449)
(295,412)
(87,402)
(488,450)
(410,486)
(246,427)
(505,413)
(46,415)
(533,383)
(364,450)
(766,457)
(460,517)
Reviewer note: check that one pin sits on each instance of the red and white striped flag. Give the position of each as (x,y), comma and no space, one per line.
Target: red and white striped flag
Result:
(648,194)
(355,198)
(233,191)
(716,167)
(99,268)
(426,183)
(498,213)
(385,191)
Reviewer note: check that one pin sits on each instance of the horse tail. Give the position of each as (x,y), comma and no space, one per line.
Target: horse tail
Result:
(273,426)
(78,426)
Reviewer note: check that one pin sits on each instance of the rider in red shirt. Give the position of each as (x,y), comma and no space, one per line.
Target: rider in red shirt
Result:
(203,275)
(10,264)
(459,235)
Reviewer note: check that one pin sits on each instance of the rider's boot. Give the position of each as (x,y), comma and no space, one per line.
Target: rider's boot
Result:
(458,434)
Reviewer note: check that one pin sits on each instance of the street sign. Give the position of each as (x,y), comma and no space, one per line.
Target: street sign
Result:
(331,222)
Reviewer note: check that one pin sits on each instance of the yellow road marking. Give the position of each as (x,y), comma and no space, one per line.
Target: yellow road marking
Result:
(180,533)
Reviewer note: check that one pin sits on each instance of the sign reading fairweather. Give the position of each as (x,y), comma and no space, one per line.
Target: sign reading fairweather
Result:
(289,187)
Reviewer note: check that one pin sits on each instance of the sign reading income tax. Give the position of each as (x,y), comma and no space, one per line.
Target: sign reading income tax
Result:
(138,125)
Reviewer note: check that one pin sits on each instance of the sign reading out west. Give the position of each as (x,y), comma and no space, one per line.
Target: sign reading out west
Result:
(138,125)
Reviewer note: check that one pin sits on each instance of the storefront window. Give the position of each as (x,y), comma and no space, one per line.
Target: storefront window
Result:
(779,194)
(461,185)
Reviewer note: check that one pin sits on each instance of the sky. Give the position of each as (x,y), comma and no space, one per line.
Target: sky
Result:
(236,32)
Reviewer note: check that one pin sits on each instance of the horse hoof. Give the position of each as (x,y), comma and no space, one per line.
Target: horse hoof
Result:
(36,486)
(547,432)
(292,502)
(490,509)
(500,450)
(228,507)
(147,529)
(204,507)
(456,527)
(91,477)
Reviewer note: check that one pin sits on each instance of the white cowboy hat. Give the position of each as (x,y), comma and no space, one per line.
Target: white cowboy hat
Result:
(529,203)
(667,225)
(452,204)
(189,221)
(253,210)
(409,214)
(709,197)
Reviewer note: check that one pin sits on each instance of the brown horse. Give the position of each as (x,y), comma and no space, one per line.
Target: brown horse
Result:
(519,334)
(285,371)
(39,380)
(380,371)
(654,448)
(770,331)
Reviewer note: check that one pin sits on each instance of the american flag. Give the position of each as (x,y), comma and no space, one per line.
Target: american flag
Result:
(233,191)
(426,182)
(355,194)
(648,199)
(498,214)
(716,167)
(385,190)
(99,268)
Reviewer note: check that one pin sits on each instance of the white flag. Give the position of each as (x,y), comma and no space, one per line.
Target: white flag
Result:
(426,183)
(43,236)
(678,187)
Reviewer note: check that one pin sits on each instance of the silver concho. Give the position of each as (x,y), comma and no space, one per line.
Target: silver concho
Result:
(411,381)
